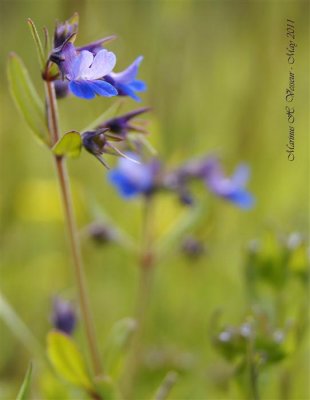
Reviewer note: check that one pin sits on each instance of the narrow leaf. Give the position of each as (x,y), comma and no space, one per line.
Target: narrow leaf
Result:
(69,145)
(18,328)
(38,43)
(67,360)
(107,114)
(26,98)
(169,381)
(23,393)
(117,345)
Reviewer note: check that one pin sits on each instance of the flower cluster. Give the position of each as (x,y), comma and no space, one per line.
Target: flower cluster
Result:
(89,70)
(145,178)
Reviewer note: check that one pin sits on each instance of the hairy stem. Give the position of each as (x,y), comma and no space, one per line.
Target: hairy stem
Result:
(62,173)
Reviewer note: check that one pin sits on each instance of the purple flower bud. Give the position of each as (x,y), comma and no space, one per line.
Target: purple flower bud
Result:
(61,88)
(192,247)
(64,30)
(63,316)
(101,233)
(122,125)
(100,141)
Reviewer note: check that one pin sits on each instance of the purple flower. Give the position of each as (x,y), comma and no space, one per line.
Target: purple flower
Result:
(85,71)
(122,125)
(231,189)
(126,83)
(63,316)
(132,179)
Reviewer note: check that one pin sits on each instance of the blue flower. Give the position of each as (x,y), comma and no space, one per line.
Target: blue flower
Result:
(63,317)
(126,82)
(231,189)
(132,179)
(85,71)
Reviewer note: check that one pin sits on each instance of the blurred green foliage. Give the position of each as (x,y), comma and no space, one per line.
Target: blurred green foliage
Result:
(216,74)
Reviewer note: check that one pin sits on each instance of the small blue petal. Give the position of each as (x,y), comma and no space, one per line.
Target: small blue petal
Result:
(242,198)
(82,89)
(139,86)
(103,88)
(129,74)
(126,90)
(126,188)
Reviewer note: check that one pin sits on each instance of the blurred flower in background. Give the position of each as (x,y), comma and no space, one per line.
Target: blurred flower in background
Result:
(63,316)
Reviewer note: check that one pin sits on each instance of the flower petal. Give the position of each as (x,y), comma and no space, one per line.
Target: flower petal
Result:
(68,53)
(80,67)
(139,86)
(126,90)
(82,89)
(129,74)
(241,198)
(102,65)
(103,88)
(241,175)
(125,187)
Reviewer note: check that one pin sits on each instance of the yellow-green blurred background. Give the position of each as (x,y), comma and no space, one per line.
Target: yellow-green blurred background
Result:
(216,73)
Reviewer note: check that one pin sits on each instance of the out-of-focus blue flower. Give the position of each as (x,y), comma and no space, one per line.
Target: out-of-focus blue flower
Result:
(132,179)
(122,125)
(126,82)
(85,72)
(209,170)
(233,188)
(63,316)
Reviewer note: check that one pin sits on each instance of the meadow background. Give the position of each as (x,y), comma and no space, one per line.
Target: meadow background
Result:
(216,74)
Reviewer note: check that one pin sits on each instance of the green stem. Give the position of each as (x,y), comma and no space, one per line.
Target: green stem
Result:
(146,269)
(253,372)
(66,196)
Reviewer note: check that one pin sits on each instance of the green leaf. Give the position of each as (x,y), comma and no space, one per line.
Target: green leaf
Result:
(23,393)
(117,345)
(67,360)
(37,42)
(69,145)
(107,114)
(26,98)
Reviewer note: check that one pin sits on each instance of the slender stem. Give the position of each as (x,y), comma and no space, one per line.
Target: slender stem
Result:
(146,269)
(252,372)
(63,178)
